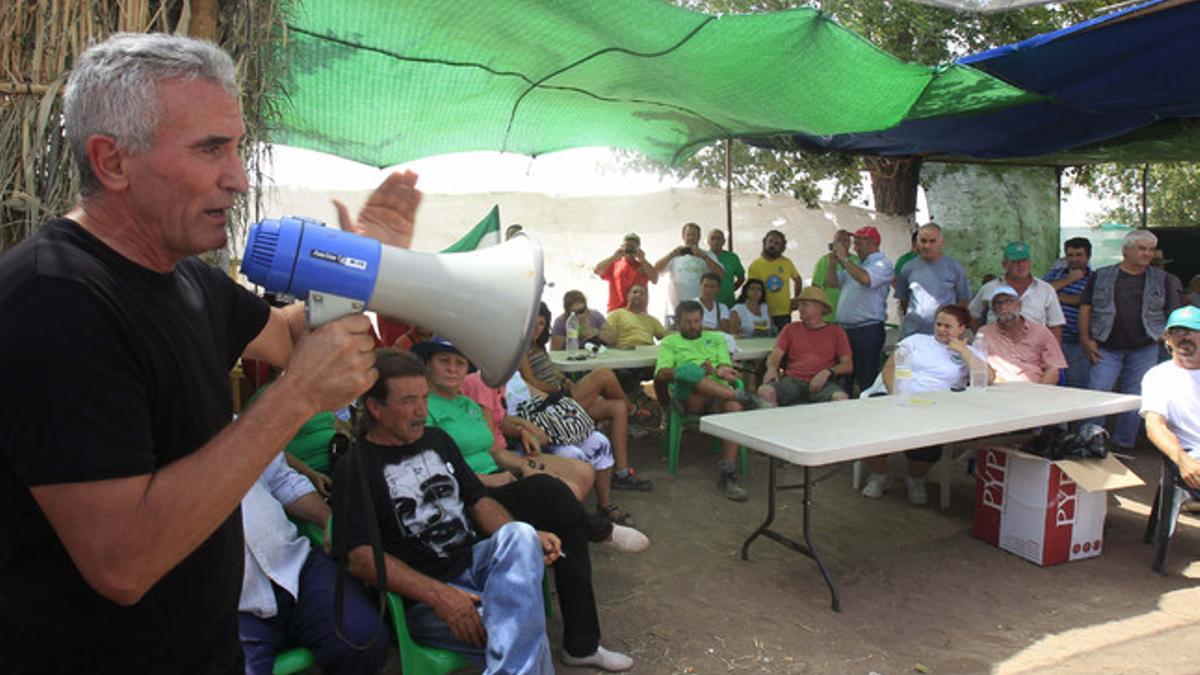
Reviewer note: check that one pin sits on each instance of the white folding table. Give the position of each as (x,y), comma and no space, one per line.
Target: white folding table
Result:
(749,349)
(820,434)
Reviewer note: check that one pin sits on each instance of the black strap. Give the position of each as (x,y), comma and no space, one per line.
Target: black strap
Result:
(355,456)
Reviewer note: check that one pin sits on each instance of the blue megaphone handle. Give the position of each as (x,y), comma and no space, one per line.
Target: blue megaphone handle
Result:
(299,255)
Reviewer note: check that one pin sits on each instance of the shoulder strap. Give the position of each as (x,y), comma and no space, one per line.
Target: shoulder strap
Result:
(355,457)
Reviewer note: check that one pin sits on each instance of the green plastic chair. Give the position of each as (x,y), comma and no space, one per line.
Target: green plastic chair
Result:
(293,661)
(416,659)
(675,423)
(670,447)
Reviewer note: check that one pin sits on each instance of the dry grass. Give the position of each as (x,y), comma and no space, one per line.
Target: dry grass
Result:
(40,39)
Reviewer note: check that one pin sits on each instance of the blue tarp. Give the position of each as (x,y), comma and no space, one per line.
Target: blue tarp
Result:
(1104,79)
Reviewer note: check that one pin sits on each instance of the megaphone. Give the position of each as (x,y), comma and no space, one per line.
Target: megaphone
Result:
(484,301)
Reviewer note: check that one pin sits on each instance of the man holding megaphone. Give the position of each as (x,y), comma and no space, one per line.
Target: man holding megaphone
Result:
(120,471)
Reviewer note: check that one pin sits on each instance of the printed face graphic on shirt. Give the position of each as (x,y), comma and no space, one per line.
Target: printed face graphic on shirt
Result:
(425,499)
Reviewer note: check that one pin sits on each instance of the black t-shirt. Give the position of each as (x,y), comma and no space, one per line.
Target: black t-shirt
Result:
(1128,331)
(421,493)
(112,370)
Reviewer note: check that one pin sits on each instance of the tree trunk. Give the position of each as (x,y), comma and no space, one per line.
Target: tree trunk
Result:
(894,183)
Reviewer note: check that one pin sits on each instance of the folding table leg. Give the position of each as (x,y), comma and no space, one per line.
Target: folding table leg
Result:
(807,548)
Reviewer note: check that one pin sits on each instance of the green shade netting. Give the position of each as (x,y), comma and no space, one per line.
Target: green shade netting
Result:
(383,82)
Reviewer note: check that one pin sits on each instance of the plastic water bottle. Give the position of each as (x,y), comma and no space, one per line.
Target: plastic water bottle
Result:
(979,372)
(572,334)
(902,381)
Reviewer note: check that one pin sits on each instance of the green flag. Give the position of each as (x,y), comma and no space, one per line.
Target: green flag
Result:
(486,233)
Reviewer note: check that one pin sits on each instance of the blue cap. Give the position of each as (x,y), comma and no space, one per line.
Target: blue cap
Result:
(1185,317)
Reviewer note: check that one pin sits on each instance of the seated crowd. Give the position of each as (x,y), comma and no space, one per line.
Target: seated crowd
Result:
(477,490)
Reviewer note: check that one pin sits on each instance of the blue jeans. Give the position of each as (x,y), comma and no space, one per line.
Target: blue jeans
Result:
(506,571)
(1124,368)
(1078,367)
(308,622)
(866,344)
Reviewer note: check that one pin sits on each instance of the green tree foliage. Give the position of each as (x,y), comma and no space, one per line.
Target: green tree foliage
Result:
(907,30)
(1172,192)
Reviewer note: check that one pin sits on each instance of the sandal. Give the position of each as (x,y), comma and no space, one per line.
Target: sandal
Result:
(616,515)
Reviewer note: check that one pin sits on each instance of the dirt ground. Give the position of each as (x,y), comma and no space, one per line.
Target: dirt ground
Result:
(919,593)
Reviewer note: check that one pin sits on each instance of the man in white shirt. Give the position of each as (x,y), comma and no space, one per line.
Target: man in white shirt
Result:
(288,587)
(1171,397)
(1039,300)
(686,264)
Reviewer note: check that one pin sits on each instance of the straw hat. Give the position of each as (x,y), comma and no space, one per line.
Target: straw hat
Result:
(816,295)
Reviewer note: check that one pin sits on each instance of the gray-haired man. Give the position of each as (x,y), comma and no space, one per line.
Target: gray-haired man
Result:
(1122,314)
(120,472)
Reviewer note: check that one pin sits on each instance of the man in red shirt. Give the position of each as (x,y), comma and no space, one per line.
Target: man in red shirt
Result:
(625,269)
(816,354)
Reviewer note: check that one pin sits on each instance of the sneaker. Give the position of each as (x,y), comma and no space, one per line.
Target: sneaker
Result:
(613,662)
(916,491)
(628,540)
(630,481)
(729,485)
(877,484)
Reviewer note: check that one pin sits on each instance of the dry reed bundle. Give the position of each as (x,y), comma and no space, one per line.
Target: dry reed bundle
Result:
(40,39)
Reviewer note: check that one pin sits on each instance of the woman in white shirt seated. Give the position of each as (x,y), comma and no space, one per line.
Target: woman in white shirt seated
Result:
(939,361)
(750,317)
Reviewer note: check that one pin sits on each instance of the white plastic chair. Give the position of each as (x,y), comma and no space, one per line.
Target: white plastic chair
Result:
(945,465)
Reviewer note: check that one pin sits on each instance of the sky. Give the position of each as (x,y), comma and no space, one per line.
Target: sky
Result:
(578,172)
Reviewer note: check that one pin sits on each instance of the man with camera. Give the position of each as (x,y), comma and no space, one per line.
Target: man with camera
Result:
(625,269)
(686,264)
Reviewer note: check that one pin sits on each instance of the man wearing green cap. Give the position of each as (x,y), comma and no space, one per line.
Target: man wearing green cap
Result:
(1039,300)
(1170,404)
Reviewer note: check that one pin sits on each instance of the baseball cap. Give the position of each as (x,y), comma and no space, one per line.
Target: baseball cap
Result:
(1185,317)
(434,345)
(1003,289)
(1016,250)
(868,232)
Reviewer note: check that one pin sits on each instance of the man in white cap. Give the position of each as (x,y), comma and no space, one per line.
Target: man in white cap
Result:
(1170,400)
(1020,350)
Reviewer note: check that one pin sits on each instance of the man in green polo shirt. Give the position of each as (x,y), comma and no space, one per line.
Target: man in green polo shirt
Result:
(697,363)
(734,275)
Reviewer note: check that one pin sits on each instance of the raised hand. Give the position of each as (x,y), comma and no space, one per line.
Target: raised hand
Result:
(389,213)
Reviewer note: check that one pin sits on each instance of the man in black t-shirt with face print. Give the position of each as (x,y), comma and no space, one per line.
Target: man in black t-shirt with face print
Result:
(478,597)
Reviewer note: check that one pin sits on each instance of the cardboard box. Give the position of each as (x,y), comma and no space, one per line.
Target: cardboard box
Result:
(1046,512)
